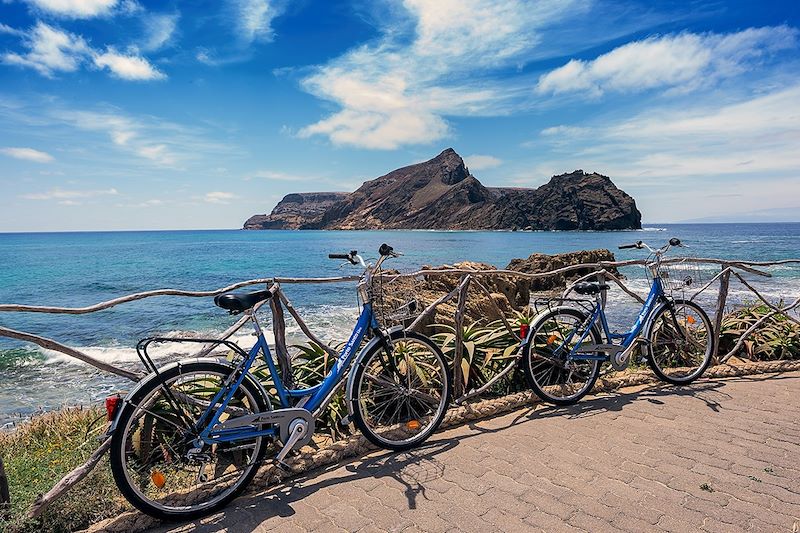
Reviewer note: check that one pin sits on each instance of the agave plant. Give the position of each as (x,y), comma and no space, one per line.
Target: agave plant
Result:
(486,350)
(776,338)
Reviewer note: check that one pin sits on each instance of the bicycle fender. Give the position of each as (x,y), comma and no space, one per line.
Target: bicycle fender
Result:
(150,377)
(649,322)
(351,376)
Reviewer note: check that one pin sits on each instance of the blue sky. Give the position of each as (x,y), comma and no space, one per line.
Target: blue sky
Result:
(127,114)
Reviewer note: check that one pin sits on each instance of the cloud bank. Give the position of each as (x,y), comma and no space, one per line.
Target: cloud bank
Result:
(684,61)
(52,50)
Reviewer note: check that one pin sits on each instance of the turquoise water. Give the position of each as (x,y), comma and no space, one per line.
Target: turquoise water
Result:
(76,269)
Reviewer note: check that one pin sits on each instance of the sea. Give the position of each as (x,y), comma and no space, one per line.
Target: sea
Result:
(83,268)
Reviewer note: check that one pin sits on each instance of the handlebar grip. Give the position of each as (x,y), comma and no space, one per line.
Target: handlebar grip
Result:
(624,246)
(339,256)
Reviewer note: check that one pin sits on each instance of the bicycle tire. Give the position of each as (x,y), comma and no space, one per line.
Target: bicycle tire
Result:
(528,366)
(360,415)
(651,358)
(119,443)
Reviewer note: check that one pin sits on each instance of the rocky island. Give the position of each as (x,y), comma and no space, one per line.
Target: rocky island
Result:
(442,194)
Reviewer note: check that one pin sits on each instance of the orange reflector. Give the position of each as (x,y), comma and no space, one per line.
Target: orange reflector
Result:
(413,425)
(690,319)
(158,479)
(551,339)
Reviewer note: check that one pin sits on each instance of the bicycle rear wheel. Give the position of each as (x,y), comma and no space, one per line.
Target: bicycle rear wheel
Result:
(400,397)
(153,458)
(554,376)
(680,342)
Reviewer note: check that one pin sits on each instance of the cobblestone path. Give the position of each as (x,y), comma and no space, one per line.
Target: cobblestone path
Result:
(720,455)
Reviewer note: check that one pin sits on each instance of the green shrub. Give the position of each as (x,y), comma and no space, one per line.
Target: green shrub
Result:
(775,339)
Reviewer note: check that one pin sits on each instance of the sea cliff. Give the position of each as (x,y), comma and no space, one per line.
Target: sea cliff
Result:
(442,194)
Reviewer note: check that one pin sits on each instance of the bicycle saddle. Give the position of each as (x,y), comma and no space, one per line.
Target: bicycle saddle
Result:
(238,302)
(590,287)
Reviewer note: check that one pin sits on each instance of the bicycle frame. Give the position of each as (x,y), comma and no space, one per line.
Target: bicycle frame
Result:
(313,399)
(655,296)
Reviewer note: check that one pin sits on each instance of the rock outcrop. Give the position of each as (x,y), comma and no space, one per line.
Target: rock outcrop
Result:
(536,263)
(442,194)
(508,292)
(296,210)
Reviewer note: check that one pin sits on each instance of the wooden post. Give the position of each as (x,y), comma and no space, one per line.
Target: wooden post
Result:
(724,283)
(279,330)
(5,497)
(307,332)
(458,375)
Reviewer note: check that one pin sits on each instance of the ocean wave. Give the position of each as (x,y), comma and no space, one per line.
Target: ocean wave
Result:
(332,324)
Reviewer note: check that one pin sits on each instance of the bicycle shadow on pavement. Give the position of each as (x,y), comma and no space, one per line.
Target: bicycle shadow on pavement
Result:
(411,468)
(708,392)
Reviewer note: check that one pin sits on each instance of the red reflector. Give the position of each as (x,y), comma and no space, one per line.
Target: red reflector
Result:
(112,404)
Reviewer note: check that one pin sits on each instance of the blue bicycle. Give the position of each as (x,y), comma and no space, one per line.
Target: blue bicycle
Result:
(565,348)
(192,434)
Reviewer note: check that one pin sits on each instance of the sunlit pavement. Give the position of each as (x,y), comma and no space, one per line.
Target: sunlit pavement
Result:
(719,455)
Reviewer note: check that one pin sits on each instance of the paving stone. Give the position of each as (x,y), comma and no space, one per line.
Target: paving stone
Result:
(629,461)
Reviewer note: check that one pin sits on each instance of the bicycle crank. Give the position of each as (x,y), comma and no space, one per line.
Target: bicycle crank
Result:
(284,419)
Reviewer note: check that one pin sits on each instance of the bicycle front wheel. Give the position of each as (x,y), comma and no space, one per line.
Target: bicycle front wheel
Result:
(553,373)
(680,342)
(400,396)
(155,462)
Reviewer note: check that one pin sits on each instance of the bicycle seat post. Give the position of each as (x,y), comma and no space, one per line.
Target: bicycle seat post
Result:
(601,297)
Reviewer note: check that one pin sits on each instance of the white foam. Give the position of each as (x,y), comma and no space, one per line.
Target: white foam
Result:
(330,323)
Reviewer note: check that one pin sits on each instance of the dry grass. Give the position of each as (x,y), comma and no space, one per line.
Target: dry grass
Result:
(40,453)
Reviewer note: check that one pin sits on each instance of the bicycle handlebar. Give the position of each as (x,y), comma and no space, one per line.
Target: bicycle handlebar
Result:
(639,244)
(352,258)
(385,251)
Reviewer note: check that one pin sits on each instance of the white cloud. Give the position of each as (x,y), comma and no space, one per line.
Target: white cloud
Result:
(398,89)
(481,162)
(127,67)
(675,159)
(74,8)
(254,19)
(159,30)
(27,154)
(218,197)
(67,195)
(52,50)
(4,28)
(280,176)
(148,139)
(564,131)
(683,61)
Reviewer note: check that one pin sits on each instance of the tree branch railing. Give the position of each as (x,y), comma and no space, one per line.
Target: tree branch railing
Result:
(600,270)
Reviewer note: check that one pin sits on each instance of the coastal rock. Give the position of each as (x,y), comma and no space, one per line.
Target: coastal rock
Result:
(508,293)
(296,210)
(442,194)
(428,288)
(536,263)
